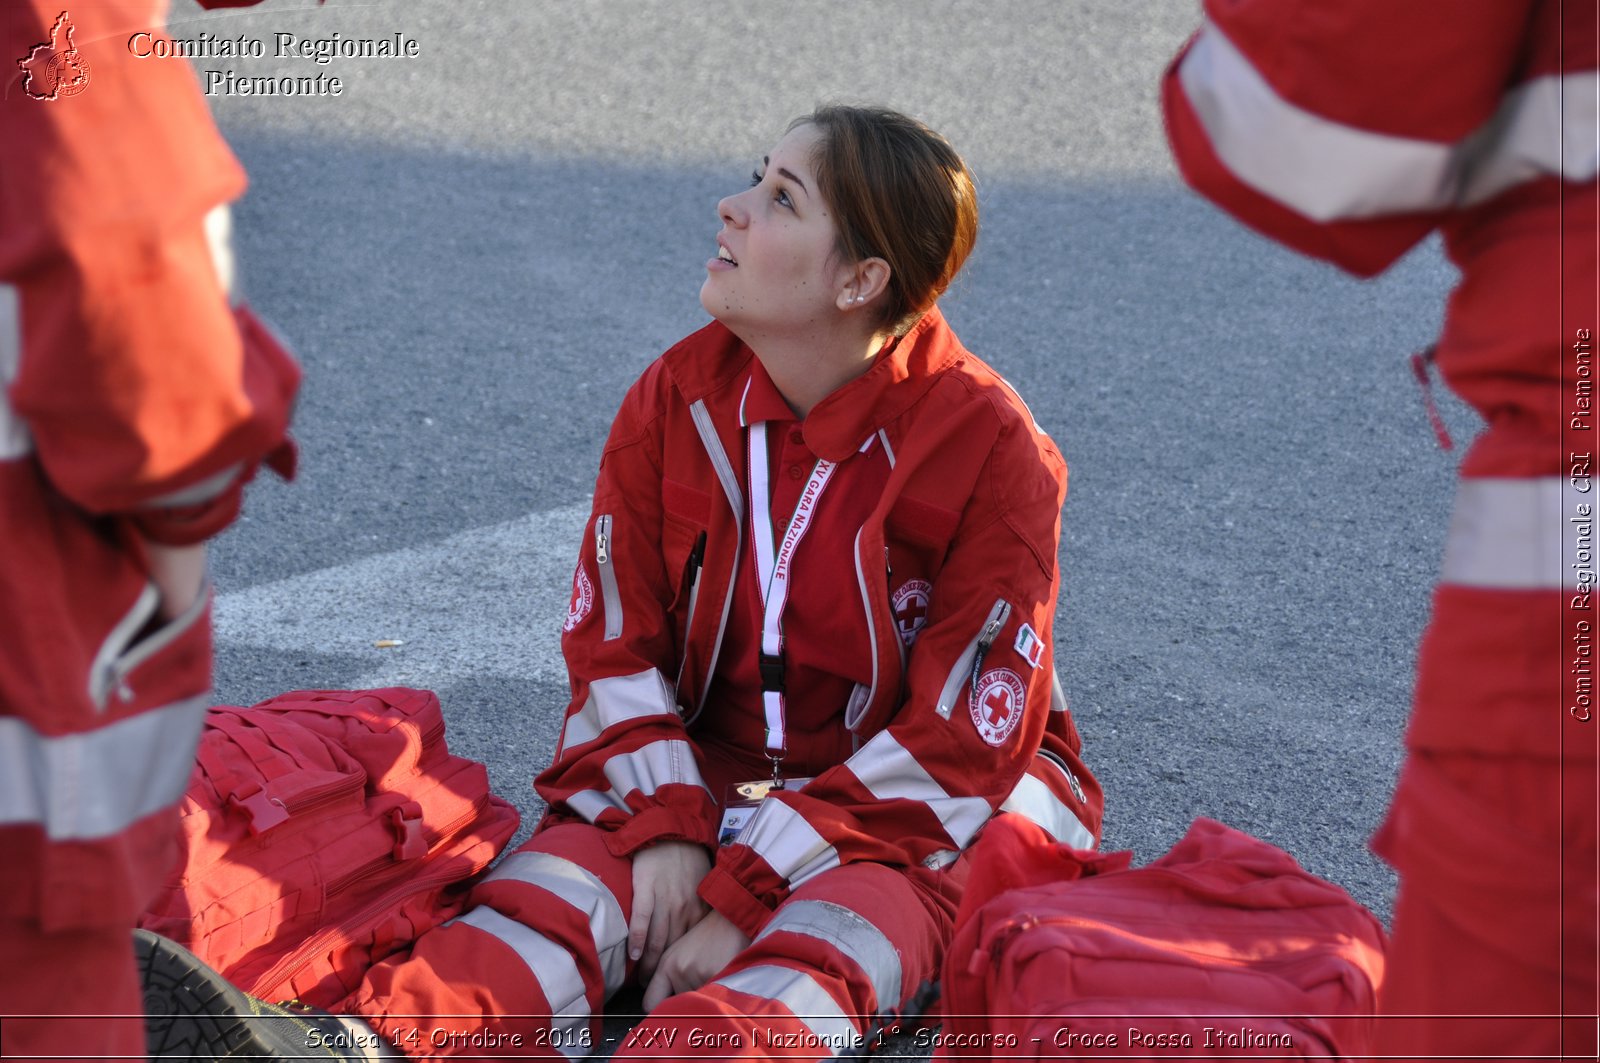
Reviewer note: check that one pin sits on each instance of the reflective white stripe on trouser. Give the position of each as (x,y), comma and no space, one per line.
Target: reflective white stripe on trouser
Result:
(1034,801)
(15,440)
(889,771)
(550,965)
(618,699)
(790,845)
(1529,534)
(831,1029)
(1329,171)
(94,784)
(850,933)
(646,770)
(583,890)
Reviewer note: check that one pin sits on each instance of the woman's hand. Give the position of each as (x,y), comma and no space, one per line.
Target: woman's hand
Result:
(665,904)
(696,958)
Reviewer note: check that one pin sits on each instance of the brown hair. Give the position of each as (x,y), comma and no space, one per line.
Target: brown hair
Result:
(899,192)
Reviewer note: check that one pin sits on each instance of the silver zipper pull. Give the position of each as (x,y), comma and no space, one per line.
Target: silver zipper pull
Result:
(600,547)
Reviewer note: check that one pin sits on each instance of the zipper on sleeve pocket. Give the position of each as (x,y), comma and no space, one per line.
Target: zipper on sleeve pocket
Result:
(970,663)
(604,558)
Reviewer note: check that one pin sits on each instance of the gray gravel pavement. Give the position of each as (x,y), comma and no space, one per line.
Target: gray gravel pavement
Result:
(475,250)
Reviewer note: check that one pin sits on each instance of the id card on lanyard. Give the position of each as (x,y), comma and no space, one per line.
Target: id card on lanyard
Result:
(741,801)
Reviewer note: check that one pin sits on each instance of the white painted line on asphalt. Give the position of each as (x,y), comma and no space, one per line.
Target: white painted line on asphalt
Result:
(489,601)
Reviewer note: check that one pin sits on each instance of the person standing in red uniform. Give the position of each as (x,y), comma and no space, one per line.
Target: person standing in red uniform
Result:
(137,397)
(1349,131)
(821,563)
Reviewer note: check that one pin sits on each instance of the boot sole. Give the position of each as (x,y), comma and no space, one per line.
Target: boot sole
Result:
(191,1012)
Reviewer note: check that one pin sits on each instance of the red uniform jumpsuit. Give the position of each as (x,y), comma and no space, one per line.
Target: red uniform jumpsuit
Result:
(921,698)
(134,404)
(1349,131)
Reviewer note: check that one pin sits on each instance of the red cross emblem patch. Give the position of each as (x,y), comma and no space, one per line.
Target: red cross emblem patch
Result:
(997,703)
(582,599)
(910,602)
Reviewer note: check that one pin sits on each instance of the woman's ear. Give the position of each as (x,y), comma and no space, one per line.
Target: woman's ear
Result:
(862,283)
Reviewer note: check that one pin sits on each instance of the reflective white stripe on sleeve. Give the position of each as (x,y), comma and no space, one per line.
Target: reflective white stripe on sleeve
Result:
(550,965)
(584,891)
(646,770)
(15,440)
(94,784)
(1511,534)
(219,238)
(618,699)
(204,491)
(888,769)
(1329,171)
(850,933)
(1033,801)
(831,1029)
(791,846)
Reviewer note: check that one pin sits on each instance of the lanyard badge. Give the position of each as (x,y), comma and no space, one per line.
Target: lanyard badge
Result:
(774,568)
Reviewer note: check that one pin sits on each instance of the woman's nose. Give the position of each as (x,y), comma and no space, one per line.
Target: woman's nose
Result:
(732,211)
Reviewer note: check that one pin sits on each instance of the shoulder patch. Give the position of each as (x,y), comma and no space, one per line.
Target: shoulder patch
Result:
(582,599)
(1029,646)
(997,703)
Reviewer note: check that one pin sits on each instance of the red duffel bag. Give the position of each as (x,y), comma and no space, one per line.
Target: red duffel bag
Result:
(322,831)
(1223,947)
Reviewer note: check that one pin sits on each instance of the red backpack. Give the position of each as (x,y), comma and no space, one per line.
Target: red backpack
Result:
(322,831)
(1224,946)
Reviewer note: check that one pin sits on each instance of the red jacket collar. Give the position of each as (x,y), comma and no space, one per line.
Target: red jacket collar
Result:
(714,359)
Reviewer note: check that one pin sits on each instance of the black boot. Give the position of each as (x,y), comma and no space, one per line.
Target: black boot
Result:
(193,1013)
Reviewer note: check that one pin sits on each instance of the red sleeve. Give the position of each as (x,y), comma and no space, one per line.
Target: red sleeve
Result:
(143,390)
(624,762)
(1342,129)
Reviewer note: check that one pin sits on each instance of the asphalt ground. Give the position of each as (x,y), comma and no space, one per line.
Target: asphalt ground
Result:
(475,250)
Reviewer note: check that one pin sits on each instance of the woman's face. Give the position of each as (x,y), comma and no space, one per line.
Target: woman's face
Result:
(776,270)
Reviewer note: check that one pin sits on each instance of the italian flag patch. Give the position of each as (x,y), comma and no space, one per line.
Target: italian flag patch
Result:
(1029,647)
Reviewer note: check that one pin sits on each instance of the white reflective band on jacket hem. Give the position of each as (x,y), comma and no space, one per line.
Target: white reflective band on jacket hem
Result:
(1509,534)
(95,784)
(646,770)
(807,1001)
(1329,171)
(850,933)
(550,965)
(1033,800)
(790,845)
(888,769)
(585,892)
(15,439)
(618,699)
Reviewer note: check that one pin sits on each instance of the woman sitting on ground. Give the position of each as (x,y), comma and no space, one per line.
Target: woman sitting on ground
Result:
(809,646)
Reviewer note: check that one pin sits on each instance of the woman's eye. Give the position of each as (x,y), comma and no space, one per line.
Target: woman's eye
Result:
(783,199)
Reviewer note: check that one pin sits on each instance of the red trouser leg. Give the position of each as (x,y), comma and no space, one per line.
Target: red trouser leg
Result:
(525,971)
(82,976)
(848,944)
(1495,925)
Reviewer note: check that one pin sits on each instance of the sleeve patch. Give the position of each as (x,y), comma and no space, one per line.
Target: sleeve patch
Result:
(997,703)
(582,599)
(1029,646)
